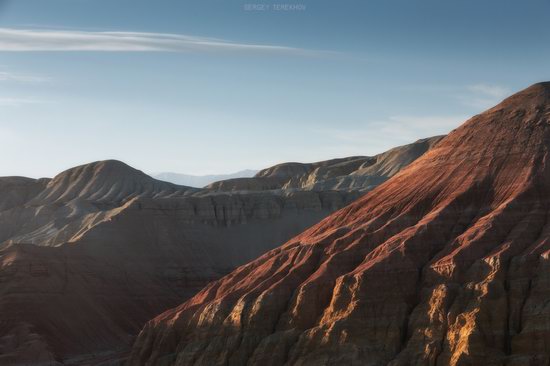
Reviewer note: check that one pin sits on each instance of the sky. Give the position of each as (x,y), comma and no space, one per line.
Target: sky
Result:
(217,86)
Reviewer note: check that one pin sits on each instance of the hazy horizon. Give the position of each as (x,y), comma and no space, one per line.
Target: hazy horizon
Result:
(156,174)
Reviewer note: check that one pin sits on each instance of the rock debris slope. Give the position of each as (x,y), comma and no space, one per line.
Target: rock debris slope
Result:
(447,263)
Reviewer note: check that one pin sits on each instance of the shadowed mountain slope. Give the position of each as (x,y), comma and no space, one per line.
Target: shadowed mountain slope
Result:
(447,263)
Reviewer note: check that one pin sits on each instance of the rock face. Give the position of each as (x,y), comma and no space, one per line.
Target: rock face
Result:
(447,263)
(86,258)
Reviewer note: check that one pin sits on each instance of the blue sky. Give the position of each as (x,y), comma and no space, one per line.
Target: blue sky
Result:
(216,86)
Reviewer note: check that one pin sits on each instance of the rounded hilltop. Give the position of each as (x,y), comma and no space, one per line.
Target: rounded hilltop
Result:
(105,181)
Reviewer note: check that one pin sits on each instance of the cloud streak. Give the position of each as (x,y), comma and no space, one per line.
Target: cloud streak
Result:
(377,136)
(17,102)
(25,40)
(22,78)
(402,127)
(485,95)
(495,91)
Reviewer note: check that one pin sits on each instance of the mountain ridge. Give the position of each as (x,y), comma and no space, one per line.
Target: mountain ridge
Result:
(105,180)
(350,173)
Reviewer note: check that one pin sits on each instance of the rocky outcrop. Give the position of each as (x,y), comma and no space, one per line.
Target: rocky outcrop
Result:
(447,263)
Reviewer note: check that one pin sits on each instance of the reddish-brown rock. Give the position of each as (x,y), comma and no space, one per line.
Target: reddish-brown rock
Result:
(447,263)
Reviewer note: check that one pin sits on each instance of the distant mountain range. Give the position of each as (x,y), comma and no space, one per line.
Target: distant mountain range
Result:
(200,181)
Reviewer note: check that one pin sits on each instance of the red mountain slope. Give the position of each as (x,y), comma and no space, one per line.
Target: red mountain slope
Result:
(447,263)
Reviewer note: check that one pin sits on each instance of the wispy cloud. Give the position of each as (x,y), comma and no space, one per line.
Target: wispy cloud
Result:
(406,128)
(381,135)
(21,40)
(17,102)
(496,91)
(22,78)
(484,95)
